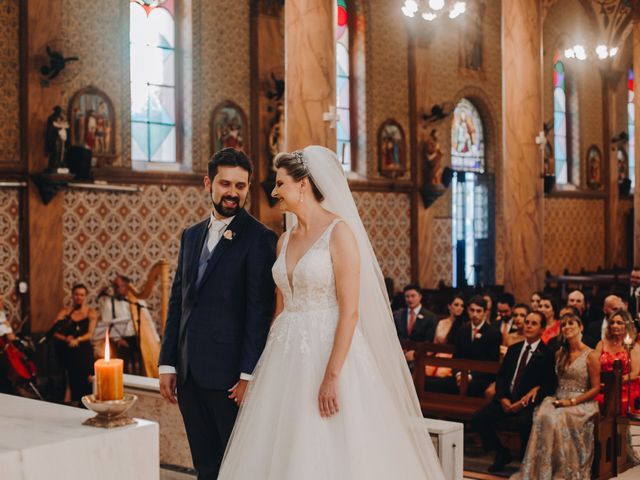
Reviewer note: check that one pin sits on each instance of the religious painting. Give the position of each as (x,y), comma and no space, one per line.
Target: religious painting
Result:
(229,127)
(470,38)
(92,122)
(391,149)
(467,139)
(594,168)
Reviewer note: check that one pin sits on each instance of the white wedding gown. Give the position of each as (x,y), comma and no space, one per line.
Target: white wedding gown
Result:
(279,433)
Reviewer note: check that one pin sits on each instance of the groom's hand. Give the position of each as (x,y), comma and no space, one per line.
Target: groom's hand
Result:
(168,387)
(237,391)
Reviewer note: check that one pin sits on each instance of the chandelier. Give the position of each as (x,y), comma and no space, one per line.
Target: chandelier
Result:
(581,52)
(432,9)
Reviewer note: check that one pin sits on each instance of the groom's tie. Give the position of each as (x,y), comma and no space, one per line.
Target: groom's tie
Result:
(213,236)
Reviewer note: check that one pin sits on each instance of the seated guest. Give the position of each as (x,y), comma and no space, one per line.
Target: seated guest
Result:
(445,333)
(562,442)
(549,310)
(525,378)
(535,301)
(612,348)
(576,299)
(477,340)
(414,322)
(447,327)
(596,329)
(505,305)
(117,314)
(72,331)
(520,312)
(490,311)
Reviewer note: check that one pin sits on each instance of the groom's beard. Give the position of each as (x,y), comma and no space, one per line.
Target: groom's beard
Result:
(226,211)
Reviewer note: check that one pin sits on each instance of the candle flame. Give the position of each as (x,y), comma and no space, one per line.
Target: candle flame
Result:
(107,353)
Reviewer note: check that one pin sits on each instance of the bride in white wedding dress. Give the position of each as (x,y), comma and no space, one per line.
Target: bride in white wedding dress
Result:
(331,397)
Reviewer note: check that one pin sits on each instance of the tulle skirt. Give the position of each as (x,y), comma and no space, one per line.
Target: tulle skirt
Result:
(280,435)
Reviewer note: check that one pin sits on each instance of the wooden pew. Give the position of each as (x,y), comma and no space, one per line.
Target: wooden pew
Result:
(458,406)
(607,439)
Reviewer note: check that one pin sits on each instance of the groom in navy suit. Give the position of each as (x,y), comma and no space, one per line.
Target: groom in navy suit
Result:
(221,305)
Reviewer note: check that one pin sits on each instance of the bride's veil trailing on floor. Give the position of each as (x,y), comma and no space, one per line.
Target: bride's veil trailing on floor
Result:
(376,318)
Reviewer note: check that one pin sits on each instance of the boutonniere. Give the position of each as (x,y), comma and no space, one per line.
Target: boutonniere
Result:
(478,336)
(420,316)
(228,235)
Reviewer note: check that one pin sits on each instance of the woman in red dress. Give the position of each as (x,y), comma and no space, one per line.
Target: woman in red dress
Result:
(612,348)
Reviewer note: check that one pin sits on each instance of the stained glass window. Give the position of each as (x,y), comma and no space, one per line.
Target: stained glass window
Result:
(559,121)
(467,140)
(343,127)
(631,117)
(153,81)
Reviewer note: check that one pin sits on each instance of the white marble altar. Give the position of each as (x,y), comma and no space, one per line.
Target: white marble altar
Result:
(448,440)
(40,440)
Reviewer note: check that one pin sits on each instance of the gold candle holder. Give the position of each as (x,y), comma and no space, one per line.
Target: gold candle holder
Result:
(110,413)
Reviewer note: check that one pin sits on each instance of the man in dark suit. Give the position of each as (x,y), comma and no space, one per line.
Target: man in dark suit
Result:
(634,294)
(477,340)
(504,305)
(414,322)
(525,377)
(220,308)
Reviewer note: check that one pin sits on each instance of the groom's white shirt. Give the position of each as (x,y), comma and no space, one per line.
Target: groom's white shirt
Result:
(216,229)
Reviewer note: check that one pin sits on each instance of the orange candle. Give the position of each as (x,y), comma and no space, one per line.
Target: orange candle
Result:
(109,385)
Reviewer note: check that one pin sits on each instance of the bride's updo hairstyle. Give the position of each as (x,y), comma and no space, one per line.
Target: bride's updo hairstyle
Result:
(296,167)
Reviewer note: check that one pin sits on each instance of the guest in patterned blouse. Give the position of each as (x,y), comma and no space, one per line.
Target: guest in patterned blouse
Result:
(612,348)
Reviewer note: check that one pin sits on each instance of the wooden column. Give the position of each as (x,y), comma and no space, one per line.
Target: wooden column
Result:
(610,79)
(522,120)
(44,224)
(310,72)
(636,133)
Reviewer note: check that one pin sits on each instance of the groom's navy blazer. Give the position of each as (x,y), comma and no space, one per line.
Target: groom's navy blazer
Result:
(217,329)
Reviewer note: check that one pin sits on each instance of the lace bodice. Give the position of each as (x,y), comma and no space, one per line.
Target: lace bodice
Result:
(574,381)
(312,286)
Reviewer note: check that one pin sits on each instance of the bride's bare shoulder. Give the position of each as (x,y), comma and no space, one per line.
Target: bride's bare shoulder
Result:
(342,237)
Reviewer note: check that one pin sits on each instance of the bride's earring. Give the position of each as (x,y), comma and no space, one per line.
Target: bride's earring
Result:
(301,198)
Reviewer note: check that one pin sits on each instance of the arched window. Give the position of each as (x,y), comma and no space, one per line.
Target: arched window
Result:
(631,122)
(343,103)
(153,81)
(560,121)
(472,237)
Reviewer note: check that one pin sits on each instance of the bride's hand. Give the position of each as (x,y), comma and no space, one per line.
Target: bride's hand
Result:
(328,398)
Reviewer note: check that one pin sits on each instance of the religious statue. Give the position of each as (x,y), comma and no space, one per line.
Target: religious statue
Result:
(432,158)
(57,140)
(275,145)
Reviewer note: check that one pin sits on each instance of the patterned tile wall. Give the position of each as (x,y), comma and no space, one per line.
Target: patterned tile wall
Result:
(109,233)
(9,251)
(386,217)
(442,252)
(9,81)
(573,234)
(623,257)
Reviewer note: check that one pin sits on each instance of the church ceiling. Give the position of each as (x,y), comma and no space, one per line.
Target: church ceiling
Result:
(611,18)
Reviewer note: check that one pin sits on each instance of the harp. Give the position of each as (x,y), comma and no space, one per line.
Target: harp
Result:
(149,338)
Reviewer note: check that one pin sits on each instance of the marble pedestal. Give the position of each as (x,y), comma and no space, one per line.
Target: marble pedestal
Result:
(174,447)
(448,440)
(40,440)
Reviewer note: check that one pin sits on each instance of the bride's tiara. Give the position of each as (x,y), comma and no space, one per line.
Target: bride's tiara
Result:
(300,159)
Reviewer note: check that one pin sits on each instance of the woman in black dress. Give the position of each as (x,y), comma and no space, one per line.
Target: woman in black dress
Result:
(73,332)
